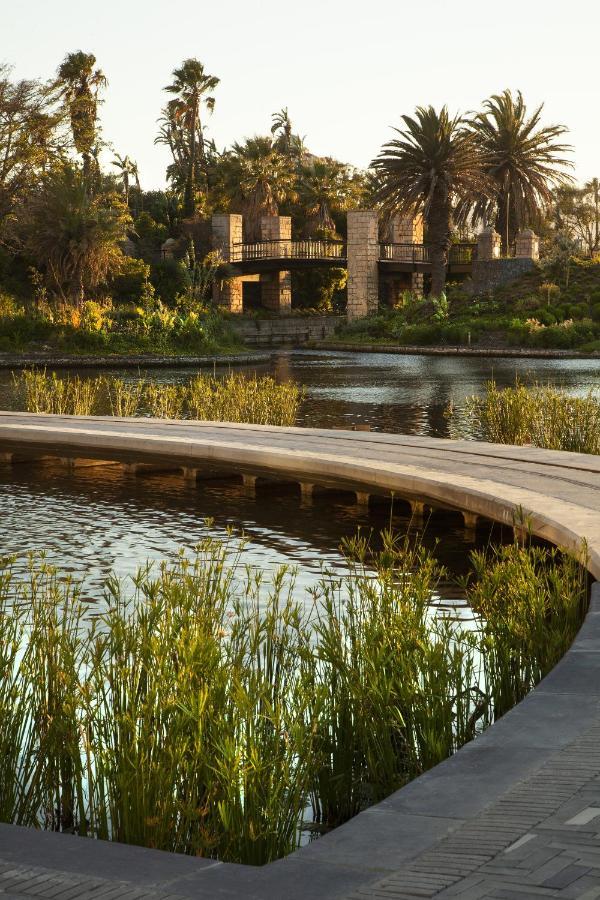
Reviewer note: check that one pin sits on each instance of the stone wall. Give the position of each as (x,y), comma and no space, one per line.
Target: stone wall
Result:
(276,287)
(363,263)
(492,273)
(227,231)
(290,331)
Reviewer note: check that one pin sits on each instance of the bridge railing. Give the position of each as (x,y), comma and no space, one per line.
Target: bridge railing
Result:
(420,254)
(286,249)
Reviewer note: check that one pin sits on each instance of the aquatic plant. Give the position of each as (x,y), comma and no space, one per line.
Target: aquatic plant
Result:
(201,709)
(234,398)
(540,415)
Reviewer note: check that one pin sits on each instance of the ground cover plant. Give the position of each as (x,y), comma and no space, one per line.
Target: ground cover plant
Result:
(540,415)
(200,709)
(257,400)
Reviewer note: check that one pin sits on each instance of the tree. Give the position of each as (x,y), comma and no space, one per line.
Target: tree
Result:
(127,170)
(327,187)
(80,84)
(71,235)
(577,212)
(431,166)
(182,128)
(257,178)
(524,161)
(29,138)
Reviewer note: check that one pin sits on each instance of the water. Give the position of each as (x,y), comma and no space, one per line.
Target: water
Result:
(100,519)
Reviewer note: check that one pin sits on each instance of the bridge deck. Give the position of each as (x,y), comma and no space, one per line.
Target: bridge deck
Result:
(514,814)
(559,492)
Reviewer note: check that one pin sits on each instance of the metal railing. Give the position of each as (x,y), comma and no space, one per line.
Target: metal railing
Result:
(420,254)
(287,249)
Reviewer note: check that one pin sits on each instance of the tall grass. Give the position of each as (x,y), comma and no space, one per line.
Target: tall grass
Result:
(541,415)
(234,398)
(203,711)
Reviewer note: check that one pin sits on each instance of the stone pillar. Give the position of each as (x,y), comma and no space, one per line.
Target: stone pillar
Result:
(409,230)
(276,287)
(488,244)
(226,232)
(363,263)
(527,245)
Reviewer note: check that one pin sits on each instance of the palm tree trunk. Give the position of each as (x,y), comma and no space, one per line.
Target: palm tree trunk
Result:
(438,227)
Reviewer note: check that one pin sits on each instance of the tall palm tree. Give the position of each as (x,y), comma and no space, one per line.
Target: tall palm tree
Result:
(79,84)
(257,178)
(193,88)
(431,166)
(127,170)
(524,160)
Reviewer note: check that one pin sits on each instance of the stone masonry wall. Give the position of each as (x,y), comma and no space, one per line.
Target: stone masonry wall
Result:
(363,265)
(227,231)
(491,273)
(276,287)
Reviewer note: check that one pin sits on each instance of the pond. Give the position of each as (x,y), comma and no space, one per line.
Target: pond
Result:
(99,519)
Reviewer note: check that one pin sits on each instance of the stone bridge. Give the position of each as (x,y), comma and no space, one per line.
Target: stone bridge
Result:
(376,267)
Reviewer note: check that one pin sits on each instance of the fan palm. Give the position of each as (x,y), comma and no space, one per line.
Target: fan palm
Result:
(193,87)
(258,179)
(128,170)
(326,187)
(79,84)
(431,166)
(524,160)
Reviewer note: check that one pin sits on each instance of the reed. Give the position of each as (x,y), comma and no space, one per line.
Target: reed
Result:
(234,398)
(202,710)
(541,415)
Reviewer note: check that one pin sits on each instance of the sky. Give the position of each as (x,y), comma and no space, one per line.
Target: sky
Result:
(346,69)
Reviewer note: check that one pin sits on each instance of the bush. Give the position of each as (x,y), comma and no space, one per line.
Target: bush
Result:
(170,278)
(131,284)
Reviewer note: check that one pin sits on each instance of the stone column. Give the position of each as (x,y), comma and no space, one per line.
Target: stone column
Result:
(527,245)
(226,232)
(363,263)
(276,287)
(488,244)
(409,230)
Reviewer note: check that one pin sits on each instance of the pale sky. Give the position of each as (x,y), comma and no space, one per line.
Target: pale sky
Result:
(346,70)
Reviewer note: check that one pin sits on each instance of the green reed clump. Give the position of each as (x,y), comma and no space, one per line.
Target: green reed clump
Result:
(238,398)
(71,395)
(203,711)
(235,398)
(531,602)
(540,415)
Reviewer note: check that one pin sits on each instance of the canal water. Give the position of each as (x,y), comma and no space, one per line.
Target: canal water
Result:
(100,519)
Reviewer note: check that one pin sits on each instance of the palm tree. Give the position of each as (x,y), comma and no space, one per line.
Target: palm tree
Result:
(193,87)
(327,186)
(127,169)
(524,161)
(73,236)
(79,84)
(257,178)
(432,165)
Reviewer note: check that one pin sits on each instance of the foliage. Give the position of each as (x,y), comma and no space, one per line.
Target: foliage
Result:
(541,415)
(80,83)
(71,235)
(234,398)
(524,161)
(199,708)
(429,167)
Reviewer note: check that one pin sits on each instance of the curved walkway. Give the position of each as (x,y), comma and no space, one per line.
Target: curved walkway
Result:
(514,814)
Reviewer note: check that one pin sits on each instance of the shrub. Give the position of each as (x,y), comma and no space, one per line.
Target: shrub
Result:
(170,278)
(131,284)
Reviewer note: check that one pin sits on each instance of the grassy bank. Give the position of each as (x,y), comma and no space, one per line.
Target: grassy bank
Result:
(556,307)
(206,712)
(540,415)
(234,398)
